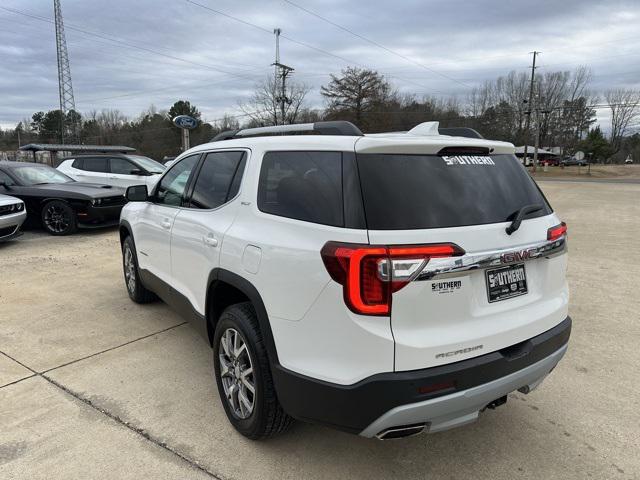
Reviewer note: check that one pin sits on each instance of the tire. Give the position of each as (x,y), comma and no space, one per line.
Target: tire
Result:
(265,418)
(58,218)
(137,292)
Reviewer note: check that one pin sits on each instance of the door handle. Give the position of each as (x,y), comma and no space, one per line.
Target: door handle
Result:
(210,240)
(166,224)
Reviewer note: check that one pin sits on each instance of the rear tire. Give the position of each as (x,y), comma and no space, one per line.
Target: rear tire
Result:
(137,292)
(58,218)
(238,348)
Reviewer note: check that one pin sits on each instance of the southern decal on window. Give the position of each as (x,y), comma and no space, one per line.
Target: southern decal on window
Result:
(468,160)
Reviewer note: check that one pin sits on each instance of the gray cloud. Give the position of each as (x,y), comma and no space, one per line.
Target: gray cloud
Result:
(468,41)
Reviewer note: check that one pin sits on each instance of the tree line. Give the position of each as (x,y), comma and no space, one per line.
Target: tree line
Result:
(562,113)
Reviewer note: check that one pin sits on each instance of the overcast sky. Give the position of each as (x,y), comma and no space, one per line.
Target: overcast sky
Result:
(158,51)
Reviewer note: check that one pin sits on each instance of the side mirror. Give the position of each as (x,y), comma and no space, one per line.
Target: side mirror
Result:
(137,193)
(5,185)
(137,171)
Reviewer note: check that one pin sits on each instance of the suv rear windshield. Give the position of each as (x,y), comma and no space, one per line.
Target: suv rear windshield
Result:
(429,191)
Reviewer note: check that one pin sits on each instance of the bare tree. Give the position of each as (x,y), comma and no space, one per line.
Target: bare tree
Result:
(227,122)
(579,82)
(263,108)
(111,119)
(499,106)
(355,93)
(624,105)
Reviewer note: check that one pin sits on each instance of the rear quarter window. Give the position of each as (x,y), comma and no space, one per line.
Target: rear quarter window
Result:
(96,164)
(429,191)
(302,185)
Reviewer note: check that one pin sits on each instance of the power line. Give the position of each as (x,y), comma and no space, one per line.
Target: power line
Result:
(180,59)
(138,59)
(303,44)
(118,54)
(590,59)
(122,42)
(376,44)
(530,107)
(266,30)
(173,57)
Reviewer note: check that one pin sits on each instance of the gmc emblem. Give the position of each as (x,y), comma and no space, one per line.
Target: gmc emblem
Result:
(517,256)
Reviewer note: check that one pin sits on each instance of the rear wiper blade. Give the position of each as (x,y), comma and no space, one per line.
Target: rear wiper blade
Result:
(527,209)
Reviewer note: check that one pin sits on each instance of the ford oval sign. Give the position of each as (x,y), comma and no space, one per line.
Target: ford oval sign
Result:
(185,121)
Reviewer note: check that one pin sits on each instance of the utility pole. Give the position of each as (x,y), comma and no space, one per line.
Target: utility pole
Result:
(65,88)
(528,112)
(537,139)
(281,73)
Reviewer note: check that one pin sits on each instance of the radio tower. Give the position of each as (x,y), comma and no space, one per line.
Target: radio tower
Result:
(65,89)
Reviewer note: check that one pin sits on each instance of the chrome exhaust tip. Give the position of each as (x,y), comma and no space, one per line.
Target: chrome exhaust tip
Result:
(401,431)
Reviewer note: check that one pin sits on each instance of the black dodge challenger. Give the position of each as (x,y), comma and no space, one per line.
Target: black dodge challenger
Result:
(60,203)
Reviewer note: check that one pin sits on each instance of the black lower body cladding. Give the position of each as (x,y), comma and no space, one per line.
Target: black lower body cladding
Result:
(353,407)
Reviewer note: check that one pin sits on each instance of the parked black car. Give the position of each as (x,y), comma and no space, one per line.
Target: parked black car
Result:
(59,202)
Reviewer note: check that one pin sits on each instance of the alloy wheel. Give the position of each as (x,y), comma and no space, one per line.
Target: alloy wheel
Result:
(129,269)
(56,218)
(236,373)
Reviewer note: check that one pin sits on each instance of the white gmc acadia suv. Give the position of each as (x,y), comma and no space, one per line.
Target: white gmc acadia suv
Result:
(380,284)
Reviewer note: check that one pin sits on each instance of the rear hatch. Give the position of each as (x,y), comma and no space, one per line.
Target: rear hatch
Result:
(497,289)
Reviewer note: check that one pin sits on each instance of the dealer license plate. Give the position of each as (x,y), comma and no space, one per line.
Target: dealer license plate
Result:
(506,282)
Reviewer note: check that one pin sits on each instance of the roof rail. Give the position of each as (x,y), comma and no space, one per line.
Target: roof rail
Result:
(339,127)
(460,132)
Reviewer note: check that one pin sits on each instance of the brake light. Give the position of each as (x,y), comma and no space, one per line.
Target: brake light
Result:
(369,274)
(554,233)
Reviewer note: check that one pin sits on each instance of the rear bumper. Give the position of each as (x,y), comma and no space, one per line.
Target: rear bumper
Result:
(463,407)
(390,399)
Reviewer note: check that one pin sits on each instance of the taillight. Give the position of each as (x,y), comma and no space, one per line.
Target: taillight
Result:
(369,274)
(556,232)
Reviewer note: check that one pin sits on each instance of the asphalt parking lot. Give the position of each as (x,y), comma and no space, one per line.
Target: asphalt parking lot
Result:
(94,386)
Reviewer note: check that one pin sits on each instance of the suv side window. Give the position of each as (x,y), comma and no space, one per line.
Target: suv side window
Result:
(121,166)
(171,189)
(95,164)
(218,180)
(302,185)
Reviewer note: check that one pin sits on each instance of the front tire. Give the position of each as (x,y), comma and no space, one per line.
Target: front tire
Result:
(58,218)
(137,292)
(243,375)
